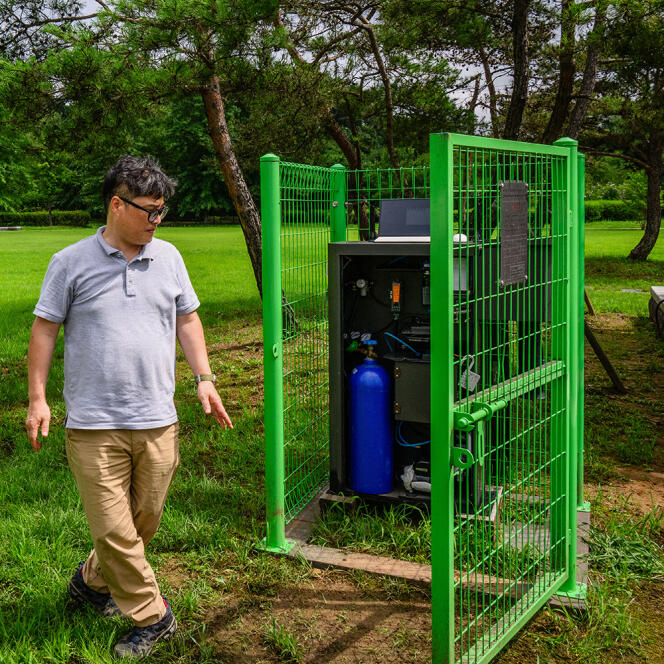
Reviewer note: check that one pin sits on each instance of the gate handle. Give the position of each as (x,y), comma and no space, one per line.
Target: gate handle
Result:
(462,458)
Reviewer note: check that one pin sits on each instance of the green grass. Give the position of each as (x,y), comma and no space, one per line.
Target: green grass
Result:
(402,532)
(42,525)
(283,643)
(626,550)
(613,225)
(608,271)
(204,551)
(216,260)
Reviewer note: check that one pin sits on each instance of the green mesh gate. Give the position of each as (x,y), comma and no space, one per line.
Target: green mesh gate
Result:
(505,214)
(517,431)
(298,218)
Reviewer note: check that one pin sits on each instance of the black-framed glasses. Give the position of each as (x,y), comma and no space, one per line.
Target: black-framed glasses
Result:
(152,214)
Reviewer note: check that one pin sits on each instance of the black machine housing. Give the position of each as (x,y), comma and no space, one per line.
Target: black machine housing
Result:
(362,278)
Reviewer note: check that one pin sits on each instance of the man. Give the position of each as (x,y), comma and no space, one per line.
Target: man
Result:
(123,297)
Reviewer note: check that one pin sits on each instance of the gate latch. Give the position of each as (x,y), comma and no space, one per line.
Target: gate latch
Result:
(480,413)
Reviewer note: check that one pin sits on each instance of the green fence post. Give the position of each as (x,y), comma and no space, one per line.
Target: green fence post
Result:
(571,588)
(582,505)
(272,356)
(442,394)
(338,195)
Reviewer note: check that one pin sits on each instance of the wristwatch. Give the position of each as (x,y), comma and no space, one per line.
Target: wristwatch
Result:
(201,377)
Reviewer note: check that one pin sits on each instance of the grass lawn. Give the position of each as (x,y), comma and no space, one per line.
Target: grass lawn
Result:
(238,605)
(609,274)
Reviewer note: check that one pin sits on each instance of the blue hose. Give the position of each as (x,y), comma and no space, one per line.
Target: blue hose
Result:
(403,443)
(403,343)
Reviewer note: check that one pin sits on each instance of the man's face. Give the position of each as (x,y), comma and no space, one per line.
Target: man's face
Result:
(132,224)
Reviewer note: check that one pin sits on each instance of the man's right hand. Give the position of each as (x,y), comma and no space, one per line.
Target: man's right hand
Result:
(37,421)
(40,352)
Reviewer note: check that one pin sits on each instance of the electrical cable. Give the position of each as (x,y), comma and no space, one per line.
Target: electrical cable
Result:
(401,440)
(403,343)
(386,327)
(375,299)
(396,260)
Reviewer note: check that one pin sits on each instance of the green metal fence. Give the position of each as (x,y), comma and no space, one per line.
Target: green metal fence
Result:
(524,337)
(499,555)
(365,189)
(298,217)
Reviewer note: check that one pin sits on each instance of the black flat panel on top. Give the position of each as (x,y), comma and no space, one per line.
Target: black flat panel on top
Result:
(404,217)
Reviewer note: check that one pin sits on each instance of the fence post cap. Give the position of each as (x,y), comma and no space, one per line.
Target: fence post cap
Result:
(269,157)
(566,142)
(338,167)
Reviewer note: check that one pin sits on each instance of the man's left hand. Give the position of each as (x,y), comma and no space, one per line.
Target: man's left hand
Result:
(211,402)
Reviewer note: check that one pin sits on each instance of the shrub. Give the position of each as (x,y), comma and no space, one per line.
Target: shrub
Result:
(79,218)
(208,221)
(612,210)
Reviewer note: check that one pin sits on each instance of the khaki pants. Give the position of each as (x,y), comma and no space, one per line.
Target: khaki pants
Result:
(123,478)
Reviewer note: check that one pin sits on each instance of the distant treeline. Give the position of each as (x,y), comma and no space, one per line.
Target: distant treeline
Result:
(82,218)
(602,210)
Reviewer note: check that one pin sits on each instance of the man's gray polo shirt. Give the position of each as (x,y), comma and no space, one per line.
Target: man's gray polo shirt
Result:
(119,326)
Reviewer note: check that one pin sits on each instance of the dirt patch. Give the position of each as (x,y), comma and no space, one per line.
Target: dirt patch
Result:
(252,347)
(331,620)
(238,357)
(174,572)
(606,322)
(644,488)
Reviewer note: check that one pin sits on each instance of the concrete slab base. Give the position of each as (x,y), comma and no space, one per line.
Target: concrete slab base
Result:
(300,529)
(574,604)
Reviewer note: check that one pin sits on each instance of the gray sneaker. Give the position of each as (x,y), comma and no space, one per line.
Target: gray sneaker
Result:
(141,640)
(80,592)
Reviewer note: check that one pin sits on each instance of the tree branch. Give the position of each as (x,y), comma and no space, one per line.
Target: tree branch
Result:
(616,155)
(60,19)
(332,43)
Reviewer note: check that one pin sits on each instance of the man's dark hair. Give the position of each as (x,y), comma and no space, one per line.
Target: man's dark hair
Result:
(136,176)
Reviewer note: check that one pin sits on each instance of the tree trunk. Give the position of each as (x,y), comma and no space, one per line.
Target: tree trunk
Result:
(473,102)
(237,187)
(356,194)
(337,134)
(493,97)
(589,74)
(521,64)
(654,209)
(389,104)
(566,76)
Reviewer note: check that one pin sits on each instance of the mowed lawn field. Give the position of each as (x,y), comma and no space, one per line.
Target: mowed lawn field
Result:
(236,604)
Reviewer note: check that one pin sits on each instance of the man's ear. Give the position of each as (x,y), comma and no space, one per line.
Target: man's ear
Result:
(115,204)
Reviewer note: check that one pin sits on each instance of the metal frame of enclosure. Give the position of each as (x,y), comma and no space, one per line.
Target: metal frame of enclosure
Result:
(525,335)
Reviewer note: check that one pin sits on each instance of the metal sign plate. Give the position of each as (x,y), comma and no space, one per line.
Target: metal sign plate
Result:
(513,233)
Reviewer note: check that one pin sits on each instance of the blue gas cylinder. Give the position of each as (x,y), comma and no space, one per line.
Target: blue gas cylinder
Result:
(371,453)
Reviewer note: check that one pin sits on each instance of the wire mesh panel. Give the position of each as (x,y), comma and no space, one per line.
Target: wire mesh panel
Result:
(365,189)
(505,358)
(309,199)
(306,207)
